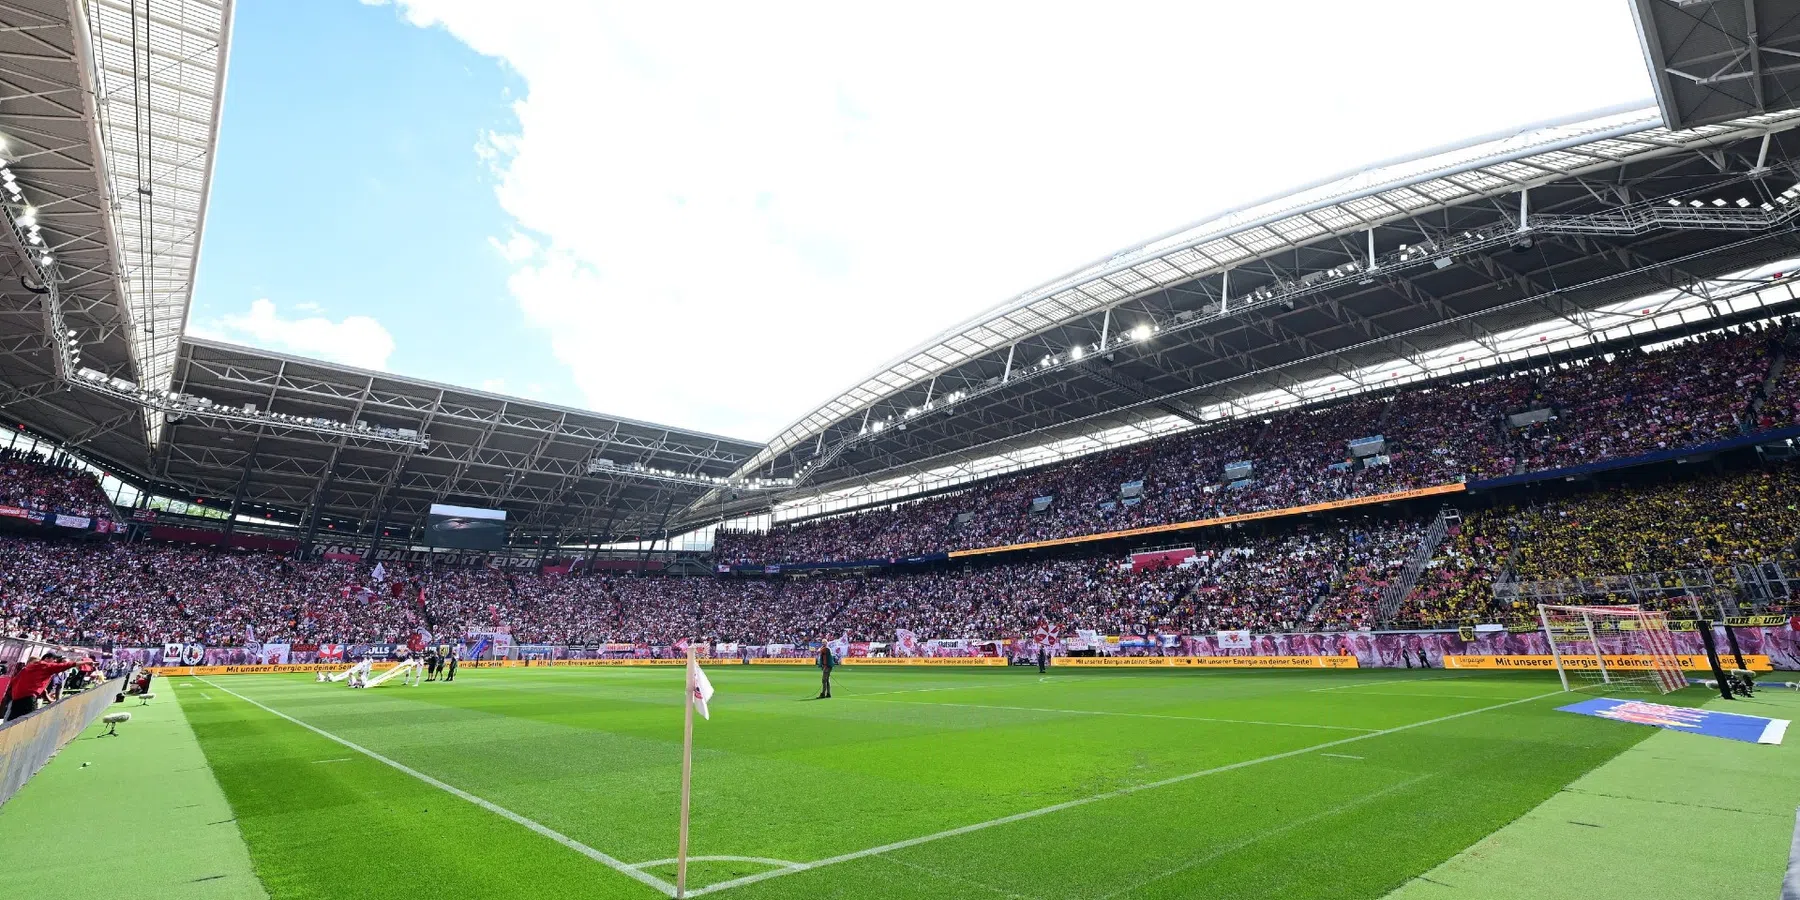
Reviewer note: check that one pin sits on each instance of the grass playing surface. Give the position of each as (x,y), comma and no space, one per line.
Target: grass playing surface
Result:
(910,783)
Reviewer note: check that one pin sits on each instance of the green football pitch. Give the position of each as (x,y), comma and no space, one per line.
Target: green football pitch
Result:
(552,783)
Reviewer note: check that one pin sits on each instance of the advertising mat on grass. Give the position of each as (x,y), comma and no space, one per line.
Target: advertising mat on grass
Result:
(1731,726)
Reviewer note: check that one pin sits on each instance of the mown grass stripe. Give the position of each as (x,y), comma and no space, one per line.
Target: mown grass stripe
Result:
(1108,795)
(551,833)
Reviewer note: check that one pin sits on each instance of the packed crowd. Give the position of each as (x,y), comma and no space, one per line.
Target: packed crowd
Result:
(29,481)
(1687,393)
(147,595)
(1313,577)
(1706,523)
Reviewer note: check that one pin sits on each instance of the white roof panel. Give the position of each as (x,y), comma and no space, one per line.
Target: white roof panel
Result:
(159,77)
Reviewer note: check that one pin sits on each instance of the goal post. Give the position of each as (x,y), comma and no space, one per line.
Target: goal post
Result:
(1618,648)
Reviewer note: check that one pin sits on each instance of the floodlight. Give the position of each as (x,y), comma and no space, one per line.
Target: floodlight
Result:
(1140,333)
(28,219)
(1718,201)
(1077,352)
(1743,203)
(1674,202)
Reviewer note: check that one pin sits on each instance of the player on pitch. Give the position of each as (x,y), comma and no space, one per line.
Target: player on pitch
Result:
(826,662)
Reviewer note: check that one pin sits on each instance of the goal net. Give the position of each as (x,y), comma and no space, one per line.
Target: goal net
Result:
(1617,648)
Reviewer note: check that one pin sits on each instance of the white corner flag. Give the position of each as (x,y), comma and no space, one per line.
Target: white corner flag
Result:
(699,689)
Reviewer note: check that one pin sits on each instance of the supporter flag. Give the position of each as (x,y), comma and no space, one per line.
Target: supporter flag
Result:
(840,648)
(701,690)
(379,573)
(905,642)
(249,634)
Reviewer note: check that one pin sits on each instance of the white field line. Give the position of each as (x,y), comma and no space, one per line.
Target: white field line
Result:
(1106,712)
(339,759)
(1240,844)
(759,860)
(1109,795)
(1340,756)
(959,687)
(454,791)
(1364,684)
(1422,694)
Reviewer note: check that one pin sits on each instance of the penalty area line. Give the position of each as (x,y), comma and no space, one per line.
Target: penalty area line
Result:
(1109,795)
(501,811)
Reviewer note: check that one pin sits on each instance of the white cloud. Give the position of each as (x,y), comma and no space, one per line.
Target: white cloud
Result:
(354,340)
(724,215)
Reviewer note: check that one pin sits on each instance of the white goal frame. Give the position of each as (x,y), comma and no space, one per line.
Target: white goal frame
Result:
(1579,638)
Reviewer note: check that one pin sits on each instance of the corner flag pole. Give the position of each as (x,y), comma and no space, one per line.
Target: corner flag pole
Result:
(687,775)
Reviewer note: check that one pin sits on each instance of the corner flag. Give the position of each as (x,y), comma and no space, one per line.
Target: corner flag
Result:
(700,690)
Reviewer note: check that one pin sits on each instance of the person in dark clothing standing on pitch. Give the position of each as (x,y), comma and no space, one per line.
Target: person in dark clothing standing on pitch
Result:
(431,664)
(451,662)
(826,662)
(1043,658)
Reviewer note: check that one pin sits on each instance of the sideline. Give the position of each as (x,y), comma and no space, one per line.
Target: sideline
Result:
(1109,795)
(557,836)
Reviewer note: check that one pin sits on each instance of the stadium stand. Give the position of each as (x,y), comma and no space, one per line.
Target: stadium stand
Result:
(1709,522)
(1603,407)
(1314,577)
(29,482)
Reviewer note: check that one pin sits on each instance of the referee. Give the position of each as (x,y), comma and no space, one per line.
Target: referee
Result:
(826,662)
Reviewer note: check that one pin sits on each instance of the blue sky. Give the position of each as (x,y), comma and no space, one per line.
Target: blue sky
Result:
(719,216)
(347,185)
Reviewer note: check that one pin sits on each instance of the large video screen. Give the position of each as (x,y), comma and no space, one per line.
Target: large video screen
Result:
(465,528)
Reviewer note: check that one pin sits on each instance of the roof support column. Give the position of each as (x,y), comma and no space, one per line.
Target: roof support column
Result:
(381,517)
(1007,375)
(1524,208)
(237,496)
(1105,328)
(1224,290)
(312,516)
(1373,265)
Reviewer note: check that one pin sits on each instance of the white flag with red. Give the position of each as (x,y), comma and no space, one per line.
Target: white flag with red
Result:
(701,690)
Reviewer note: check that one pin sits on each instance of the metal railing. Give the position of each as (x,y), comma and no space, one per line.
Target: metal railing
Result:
(1402,586)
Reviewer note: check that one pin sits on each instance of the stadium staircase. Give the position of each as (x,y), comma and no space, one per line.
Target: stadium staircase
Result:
(1402,585)
(1777,365)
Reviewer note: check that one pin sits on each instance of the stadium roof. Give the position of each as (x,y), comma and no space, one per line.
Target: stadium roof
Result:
(540,462)
(110,122)
(1327,283)
(1713,61)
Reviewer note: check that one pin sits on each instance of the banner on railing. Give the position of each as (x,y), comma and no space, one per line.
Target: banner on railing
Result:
(922,661)
(1210,662)
(1691,662)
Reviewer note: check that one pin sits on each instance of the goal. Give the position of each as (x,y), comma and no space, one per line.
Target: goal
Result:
(1618,648)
